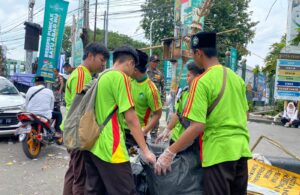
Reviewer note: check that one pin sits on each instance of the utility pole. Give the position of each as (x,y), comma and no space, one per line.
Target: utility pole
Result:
(95,23)
(29,53)
(84,35)
(106,26)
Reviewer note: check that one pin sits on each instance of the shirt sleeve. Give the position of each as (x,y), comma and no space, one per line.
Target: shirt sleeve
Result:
(122,93)
(197,103)
(153,97)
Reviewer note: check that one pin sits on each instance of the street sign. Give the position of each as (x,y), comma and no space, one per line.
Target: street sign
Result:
(287,84)
(233,59)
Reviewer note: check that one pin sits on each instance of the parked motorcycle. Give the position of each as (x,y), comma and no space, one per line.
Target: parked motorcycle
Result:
(34,132)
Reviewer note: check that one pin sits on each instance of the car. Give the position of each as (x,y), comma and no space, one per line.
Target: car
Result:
(11,103)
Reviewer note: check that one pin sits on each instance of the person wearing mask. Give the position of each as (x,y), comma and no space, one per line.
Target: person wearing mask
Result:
(146,98)
(107,163)
(94,60)
(157,77)
(290,116)
(217,106)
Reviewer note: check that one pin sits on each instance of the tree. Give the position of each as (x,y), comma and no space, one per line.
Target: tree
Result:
(114,40)
(224,15)
(271,59)
(66,42)
(230,14)
(163,12)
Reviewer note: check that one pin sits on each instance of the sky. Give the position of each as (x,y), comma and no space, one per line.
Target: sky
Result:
(14,12)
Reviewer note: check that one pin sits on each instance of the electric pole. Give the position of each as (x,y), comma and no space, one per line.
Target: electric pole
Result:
(95,23)
(29,53)
(84,36)
(106,26)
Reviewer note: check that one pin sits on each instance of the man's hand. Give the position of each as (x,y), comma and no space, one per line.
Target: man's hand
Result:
(148,157)
(164,162)
(163,135)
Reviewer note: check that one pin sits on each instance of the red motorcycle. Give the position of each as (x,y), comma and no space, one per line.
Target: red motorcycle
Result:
(34,132)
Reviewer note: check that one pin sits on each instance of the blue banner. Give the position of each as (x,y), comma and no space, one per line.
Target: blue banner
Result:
(53,30)
(233,59)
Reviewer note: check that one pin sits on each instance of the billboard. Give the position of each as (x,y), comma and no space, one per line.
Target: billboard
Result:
(293,20)
(287,82)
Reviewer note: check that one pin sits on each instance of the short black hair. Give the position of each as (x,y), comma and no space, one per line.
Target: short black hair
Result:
(194,69)
(94,49)
(56,69)
(122,57)
(66,65)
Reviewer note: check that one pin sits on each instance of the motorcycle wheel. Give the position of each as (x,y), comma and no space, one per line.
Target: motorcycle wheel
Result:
(31,146)
(60,141)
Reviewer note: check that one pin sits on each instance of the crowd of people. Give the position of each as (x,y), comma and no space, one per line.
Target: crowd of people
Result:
(212,110)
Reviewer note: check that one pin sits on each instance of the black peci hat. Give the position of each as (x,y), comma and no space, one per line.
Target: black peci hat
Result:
(154,58)
(39,79)
(143,60)
(204,40)
(126,50)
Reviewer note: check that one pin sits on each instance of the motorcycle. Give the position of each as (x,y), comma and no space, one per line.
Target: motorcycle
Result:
(34,132)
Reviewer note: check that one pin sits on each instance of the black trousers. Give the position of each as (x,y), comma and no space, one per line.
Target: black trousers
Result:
(75,176)
(107,178)
(57,116)
(295,123)
(227,178)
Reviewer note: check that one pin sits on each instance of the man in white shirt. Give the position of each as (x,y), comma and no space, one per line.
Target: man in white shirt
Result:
(40,101)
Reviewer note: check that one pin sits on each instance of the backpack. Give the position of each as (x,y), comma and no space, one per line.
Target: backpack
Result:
(81,129)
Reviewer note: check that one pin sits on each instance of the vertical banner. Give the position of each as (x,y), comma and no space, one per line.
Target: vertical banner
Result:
(293,23)
(53,30)
(78,45)
(233,59)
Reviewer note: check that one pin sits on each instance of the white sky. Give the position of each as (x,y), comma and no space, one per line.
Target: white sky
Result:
(13,12)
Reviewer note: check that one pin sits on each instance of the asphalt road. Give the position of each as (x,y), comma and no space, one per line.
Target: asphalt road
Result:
(44,176)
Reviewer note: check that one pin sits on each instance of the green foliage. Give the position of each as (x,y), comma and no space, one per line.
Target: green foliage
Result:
(114,40)
(163,12)
(230,14)
(256,70)
(251,106)
(224,15)
(66,43)
(271,59)
(296,41)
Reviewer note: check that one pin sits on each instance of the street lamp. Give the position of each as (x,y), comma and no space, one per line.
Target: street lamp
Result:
(151,25)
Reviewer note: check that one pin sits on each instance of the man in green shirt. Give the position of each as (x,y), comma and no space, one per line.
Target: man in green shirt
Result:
(107,163)
(178,124)
(94,60)
(146,98)
(226,137)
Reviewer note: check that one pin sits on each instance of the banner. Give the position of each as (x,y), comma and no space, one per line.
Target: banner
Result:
(273,178)
(53,30)
(287,83)
(78,45)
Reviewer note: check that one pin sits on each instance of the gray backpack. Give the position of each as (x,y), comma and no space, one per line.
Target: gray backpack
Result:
(81,128)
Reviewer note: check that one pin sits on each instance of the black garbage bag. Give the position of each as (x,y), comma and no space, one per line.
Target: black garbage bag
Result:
(186,177)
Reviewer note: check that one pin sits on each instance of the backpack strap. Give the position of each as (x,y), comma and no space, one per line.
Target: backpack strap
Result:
(108,118)
(217,100)
(35,93)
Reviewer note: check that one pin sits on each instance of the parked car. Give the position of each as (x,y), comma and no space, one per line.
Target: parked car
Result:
(11,103)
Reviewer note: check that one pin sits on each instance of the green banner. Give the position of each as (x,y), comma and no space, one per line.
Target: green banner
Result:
(78,45)
(53,30)
(233,59)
